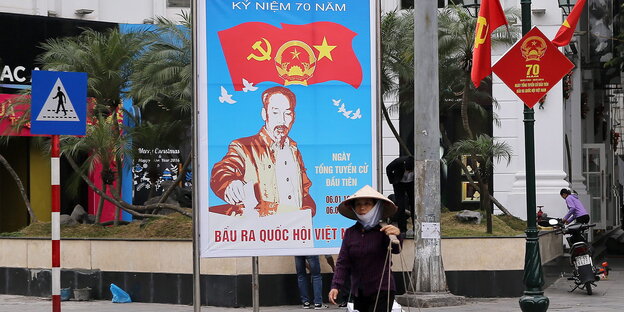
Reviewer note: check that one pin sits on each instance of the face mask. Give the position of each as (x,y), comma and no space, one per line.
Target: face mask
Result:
(371,218)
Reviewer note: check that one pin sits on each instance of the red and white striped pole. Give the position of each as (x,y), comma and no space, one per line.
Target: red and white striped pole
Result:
(56,227)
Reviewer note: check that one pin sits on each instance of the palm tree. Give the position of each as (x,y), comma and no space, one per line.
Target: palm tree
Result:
(107,57)
(456,37)
(485,151)
(165,78)
(397,65)
(105,145)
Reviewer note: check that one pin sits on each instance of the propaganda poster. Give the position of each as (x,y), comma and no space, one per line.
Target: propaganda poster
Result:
(286,123)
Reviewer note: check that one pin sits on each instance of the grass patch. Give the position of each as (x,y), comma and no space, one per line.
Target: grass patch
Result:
(178,226)
(513,222)
(181,227)
(501,226)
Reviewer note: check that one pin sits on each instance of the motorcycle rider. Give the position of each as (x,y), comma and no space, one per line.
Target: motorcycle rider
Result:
(576,211)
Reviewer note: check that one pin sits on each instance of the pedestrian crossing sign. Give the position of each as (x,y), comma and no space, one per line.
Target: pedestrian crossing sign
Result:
(59,103)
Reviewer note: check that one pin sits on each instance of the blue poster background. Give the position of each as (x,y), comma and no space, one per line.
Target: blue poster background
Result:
(321,132)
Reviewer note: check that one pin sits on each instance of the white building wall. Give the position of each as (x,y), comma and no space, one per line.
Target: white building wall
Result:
(510,181)
(116,11)
(390,146)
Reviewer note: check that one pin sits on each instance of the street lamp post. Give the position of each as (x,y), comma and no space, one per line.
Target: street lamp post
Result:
(472,6)
(566,6)
(533,299)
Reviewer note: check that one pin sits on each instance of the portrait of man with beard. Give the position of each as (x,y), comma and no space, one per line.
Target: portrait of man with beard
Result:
(264,174)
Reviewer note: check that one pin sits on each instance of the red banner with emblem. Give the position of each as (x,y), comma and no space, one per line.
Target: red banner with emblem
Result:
(293,54)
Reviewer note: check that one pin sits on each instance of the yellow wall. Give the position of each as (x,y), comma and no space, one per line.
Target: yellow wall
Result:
(40,193)
(13,213)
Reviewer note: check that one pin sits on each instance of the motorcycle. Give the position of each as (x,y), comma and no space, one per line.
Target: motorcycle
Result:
(584,274)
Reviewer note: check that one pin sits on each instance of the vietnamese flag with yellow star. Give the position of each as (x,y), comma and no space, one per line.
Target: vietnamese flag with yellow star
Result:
(291,55)
(566,31)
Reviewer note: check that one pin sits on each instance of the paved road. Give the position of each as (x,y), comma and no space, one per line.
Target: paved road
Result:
(608,296)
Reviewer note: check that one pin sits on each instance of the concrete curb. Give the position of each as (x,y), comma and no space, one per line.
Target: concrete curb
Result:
(430,300)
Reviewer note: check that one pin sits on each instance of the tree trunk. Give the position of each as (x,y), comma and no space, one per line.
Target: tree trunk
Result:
(181,175)
(20,187)
(119,166)
(100,207)
(116,220)
(464,107)
(131,209)
(486,205)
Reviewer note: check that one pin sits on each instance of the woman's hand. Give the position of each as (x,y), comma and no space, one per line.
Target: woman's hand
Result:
(333,294)
(390,230)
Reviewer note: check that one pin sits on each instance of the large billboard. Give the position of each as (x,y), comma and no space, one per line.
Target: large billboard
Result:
(287,123)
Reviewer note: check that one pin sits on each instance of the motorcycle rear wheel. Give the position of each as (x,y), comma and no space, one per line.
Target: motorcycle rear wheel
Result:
(588,288)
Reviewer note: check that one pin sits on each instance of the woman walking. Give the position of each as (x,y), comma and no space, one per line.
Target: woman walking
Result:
(364,252)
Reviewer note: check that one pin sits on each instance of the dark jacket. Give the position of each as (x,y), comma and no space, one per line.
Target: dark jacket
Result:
(397,168)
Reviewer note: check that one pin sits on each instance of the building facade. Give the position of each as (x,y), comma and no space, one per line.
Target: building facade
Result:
(576,126)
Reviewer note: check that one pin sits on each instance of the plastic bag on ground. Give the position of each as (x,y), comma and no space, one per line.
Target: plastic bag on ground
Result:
(119,295)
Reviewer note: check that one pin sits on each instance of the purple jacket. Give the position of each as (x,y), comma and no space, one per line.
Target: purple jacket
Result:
(362,256)
(575,208)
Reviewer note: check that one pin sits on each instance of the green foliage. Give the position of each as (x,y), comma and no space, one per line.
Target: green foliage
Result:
(456,33)
(103,144)
(107,58)
(397,56)
(165,75)
(456,29)
(485,148)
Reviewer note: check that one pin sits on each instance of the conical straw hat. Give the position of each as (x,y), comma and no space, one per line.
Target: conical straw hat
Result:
(346,207)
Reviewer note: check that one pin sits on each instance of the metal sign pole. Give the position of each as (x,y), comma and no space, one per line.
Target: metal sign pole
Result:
(255,284)
(196,251)
(378,97)
(56,227)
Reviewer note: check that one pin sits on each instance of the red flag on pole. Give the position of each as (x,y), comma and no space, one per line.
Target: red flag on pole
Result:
(566,31)
(294,54)
(491,16)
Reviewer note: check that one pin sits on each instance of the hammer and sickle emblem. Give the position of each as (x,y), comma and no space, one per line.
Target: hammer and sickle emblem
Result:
(481,33)
(265,55)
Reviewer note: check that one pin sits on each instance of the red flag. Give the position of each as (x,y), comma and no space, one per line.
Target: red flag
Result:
(491,16)
(566,31)
(294,54)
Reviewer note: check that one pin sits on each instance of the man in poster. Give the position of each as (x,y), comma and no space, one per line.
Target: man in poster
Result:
(264,174)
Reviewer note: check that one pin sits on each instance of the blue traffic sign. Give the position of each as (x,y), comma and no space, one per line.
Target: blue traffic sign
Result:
(59,103)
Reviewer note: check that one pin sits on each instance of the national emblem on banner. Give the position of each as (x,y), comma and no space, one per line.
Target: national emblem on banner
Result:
(533,48)
(295,62)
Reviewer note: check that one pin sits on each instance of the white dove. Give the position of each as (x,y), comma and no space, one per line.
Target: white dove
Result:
(248,86)
(347,113)
(342,109)
(336,102)
(225,97)
(357,114)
